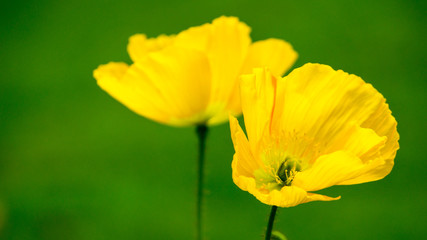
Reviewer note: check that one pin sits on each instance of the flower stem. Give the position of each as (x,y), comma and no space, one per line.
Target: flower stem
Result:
(270,223)
(201,131)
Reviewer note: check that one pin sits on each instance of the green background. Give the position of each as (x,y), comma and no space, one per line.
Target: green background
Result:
(76,164)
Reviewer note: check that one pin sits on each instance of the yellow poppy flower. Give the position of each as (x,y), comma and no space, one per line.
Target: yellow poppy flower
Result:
(310,130)
(191,78)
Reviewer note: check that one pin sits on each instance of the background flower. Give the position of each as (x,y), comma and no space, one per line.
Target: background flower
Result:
(191,78)
(313,129)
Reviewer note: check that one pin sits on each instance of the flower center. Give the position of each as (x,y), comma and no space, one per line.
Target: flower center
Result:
(287,170)
(279,171)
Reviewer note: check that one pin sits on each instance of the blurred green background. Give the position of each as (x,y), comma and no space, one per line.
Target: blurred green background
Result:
(76,164)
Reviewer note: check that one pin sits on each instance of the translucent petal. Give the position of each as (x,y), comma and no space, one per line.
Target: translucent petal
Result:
(323,103)
(258,94)
(169,86)
(139,45)
(384,124)
(244,162)
(110,78)
(225,42)
(275,54)
(362,142)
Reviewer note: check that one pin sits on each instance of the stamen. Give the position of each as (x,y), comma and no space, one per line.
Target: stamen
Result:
(287,170)
(279,170)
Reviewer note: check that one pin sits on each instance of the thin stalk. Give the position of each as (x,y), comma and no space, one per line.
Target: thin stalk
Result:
(201,131)
(270,223)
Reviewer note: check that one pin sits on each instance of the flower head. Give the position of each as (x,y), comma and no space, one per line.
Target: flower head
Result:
(310,130)
(191,78)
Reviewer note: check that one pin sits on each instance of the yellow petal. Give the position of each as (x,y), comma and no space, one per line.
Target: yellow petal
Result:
(139,45)
(318,197)
(244,162)
(364,143)
(110,78)
(384,124)
(226,43)
(339,111)
(328,170)
(258,95)
(275,54)
(169,86)
(323,104)
(111,72)
(288,196)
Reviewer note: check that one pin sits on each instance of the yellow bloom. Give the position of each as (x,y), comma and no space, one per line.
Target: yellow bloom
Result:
(191,78)
(310,130)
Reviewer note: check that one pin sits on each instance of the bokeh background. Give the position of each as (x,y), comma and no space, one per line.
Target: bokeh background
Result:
(76,164)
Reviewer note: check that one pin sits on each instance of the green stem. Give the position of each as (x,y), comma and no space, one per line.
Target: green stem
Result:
(202,131)
(270,223)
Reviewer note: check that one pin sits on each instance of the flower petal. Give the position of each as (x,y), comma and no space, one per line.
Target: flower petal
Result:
(258,95)
(323,104)
(139,45)
(170,86)
(328,170)
(244,162)
(110,78)
(288,196)
(226,43)
(110,72)
(384,124)
(275,54)
(364,143)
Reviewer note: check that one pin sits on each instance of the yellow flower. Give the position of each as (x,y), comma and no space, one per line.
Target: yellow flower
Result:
(310,130)
(191,78)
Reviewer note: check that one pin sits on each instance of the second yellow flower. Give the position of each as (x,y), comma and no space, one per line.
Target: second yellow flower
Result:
(191,78)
